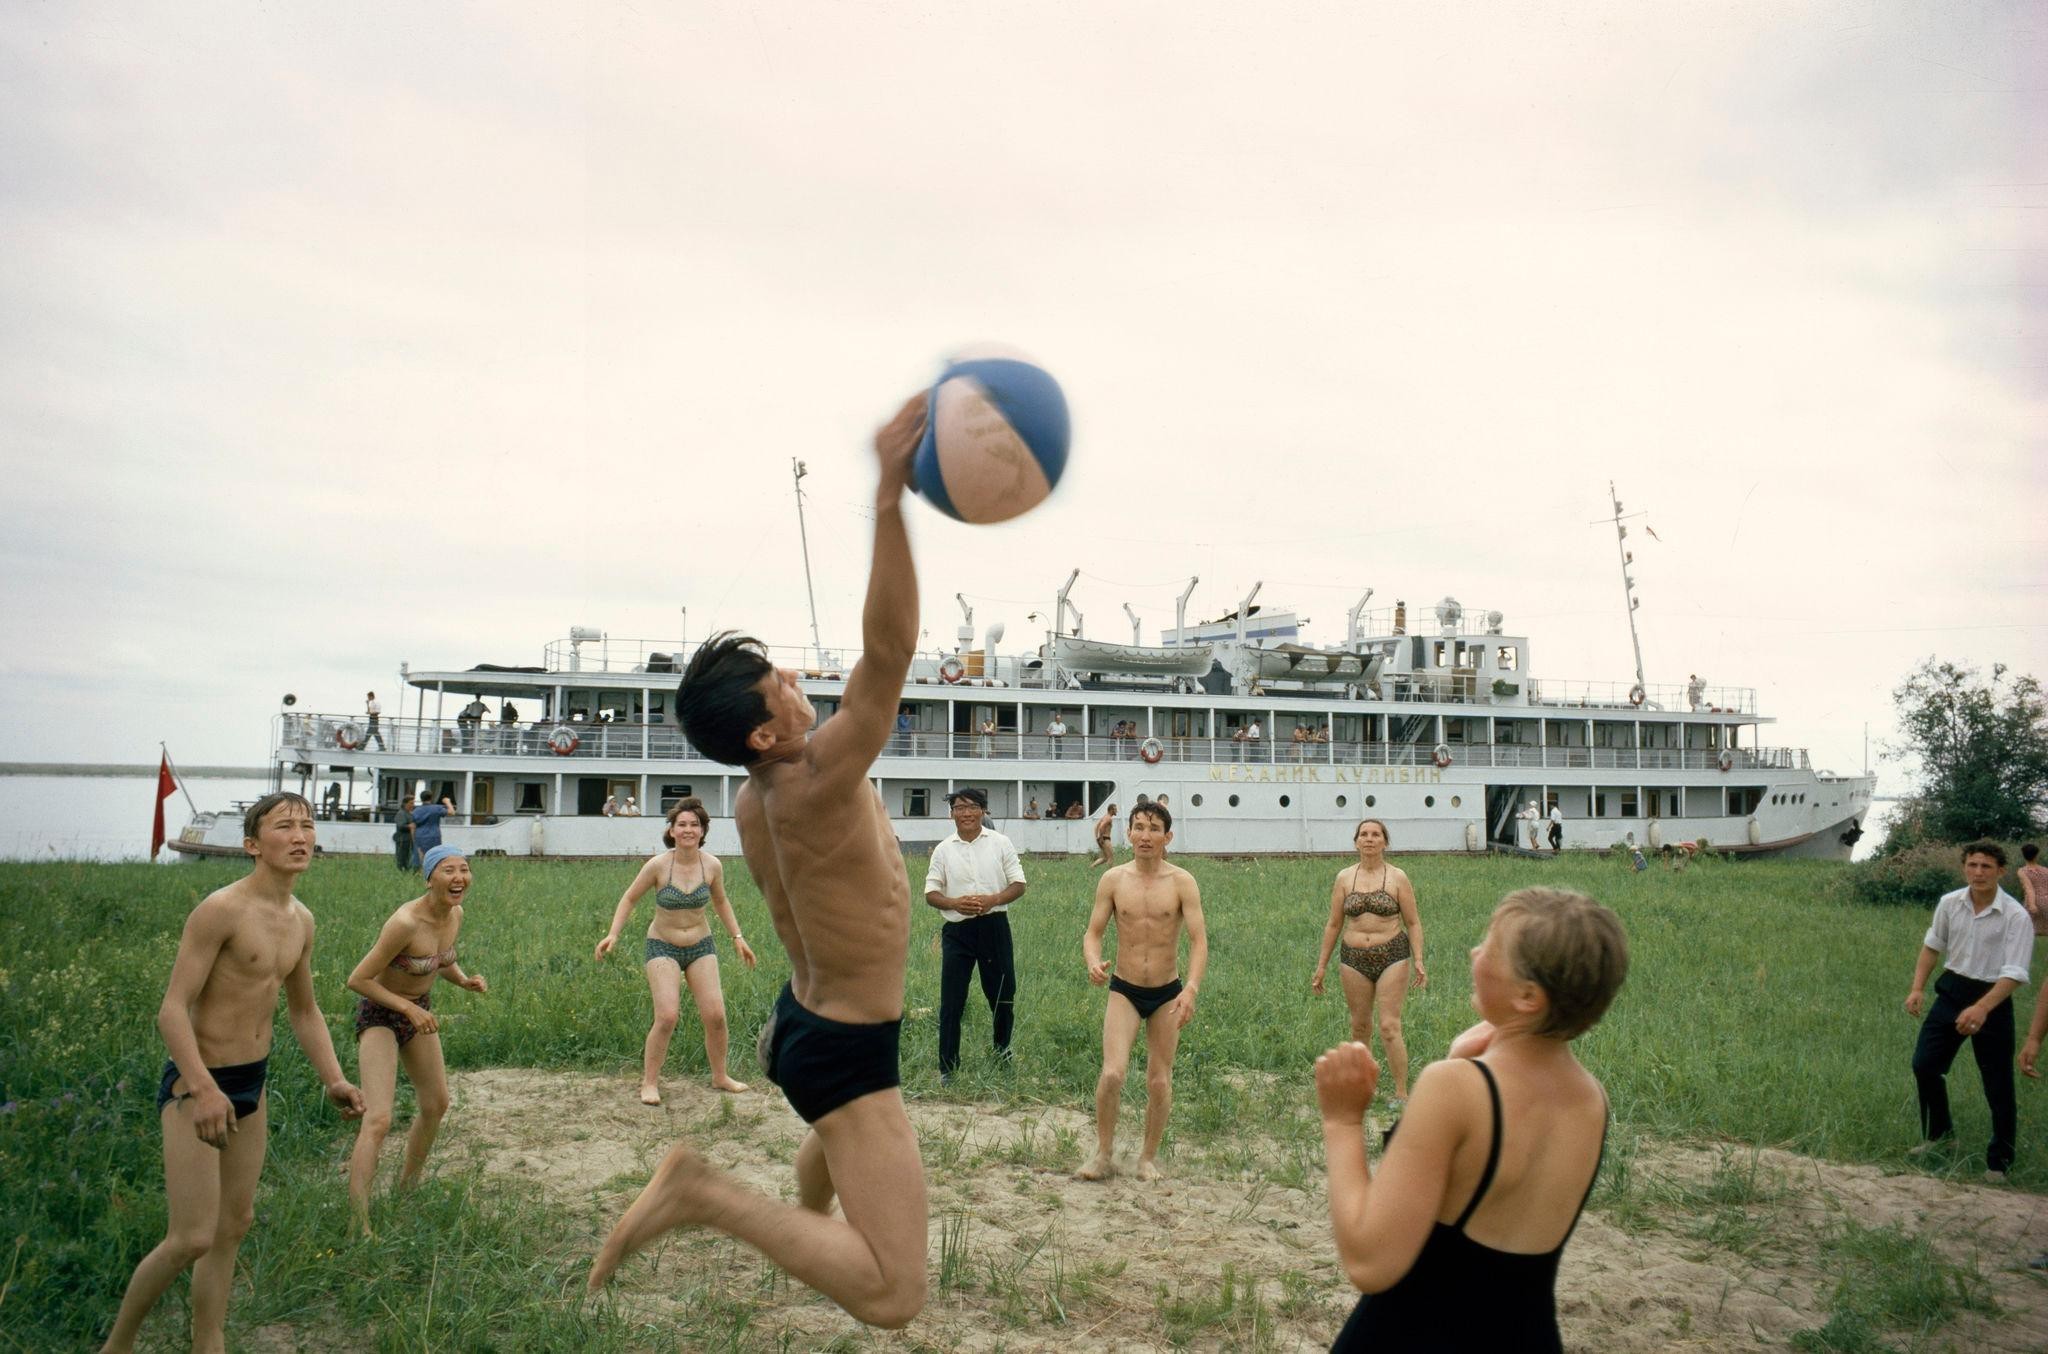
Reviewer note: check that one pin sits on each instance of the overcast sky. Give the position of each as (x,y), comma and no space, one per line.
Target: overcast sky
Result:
(340,335)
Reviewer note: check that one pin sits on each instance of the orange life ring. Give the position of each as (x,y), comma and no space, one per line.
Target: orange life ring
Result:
(1442,755)
(951,671)
(1727,759)
(1636,694)
(562,740)
(1151,750)
(349,737)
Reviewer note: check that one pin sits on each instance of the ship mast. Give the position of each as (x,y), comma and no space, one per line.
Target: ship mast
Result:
(1628,582)
(798,471)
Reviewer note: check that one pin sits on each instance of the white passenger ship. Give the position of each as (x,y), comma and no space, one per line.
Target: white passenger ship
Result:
(1260,744)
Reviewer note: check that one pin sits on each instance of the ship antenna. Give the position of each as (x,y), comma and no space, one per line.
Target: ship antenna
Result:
(1628,582)
(799,470)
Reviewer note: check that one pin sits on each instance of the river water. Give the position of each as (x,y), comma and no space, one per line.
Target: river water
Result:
(102,817)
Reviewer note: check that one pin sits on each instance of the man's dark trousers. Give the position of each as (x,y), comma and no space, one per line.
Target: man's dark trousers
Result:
(984,943)
(1993,1047)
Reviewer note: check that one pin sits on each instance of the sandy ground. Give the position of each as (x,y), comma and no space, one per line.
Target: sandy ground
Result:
(1719,1249)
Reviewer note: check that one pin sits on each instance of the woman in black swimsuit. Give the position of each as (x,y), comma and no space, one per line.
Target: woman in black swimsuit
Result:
(679,946)
(1455,1238)
(1373,917)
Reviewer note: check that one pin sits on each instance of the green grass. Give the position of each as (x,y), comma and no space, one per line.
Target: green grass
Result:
(1759,1010)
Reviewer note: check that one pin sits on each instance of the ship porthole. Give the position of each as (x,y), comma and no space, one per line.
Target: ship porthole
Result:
(1456,801)
(1341,801)
(1429,801)
(1369,800)
(1233,801)
(1283,801)
(1196,801)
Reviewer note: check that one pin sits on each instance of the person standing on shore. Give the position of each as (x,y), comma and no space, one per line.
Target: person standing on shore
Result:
(395,1020)
(679,951)
(1375,930)
(973,877)
(239,946)
(1151,902)
(401,835)
(1987,941)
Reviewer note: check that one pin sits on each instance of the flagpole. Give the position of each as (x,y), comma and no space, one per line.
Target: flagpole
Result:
(177,776)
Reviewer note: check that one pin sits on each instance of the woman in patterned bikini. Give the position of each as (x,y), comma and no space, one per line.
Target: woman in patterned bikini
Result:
(1377,933)
(395,1020)
(679,946)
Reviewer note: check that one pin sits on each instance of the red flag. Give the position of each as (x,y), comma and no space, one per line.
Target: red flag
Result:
(165,788)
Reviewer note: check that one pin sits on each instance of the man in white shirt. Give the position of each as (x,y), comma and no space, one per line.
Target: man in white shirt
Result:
(376,712)
(973,878)
(1055,731)
(1987,939)
(1557,827)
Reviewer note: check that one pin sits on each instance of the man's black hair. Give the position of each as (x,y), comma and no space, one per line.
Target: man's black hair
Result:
(719,701)
(1991,849)
(1155,809)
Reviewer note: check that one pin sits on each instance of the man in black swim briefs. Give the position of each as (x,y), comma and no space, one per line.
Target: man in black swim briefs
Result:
(240,946)
(818,842)
(1150,901)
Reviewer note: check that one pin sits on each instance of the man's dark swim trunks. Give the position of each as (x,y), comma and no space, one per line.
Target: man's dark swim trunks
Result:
(1146,999)
(370,1016)
(242,1084)
(822,1064)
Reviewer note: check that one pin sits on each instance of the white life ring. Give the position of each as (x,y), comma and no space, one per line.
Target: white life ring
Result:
(951,671)
(562,740)
(1152,750)
(1727,759)
(348,737)
(1636,694)
(1442,755)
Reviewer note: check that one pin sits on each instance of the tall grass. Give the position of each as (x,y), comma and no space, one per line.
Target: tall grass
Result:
(1759,1009)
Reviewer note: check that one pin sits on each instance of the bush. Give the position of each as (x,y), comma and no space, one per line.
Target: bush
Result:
(1917,875)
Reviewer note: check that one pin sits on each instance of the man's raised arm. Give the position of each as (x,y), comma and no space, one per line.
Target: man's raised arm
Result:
(874,689)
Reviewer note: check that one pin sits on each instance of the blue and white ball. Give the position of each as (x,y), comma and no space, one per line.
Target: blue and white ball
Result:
(995,437)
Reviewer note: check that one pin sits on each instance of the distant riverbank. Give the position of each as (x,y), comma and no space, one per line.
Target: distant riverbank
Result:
(126,769)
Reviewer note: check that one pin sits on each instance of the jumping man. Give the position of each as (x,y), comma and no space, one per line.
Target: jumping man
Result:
(818,841)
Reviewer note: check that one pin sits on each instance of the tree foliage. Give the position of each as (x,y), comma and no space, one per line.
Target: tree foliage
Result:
(1981,748)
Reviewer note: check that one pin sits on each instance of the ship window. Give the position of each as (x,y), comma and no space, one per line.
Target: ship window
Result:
(1341,801)
(1456,801)
(531,797)
(1283,801)
(1504,657)
(1196,801)
(1599,803)
(1233,801)
(670,794)
(1429,801)
(917,802)
(1628,804)
(1369,799)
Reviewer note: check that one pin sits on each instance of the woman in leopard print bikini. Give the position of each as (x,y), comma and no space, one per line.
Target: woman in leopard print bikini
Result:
(1377,933)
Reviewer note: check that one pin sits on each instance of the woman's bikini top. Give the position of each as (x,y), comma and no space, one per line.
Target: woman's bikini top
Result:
(1379,902)
(675,900)
(423,965)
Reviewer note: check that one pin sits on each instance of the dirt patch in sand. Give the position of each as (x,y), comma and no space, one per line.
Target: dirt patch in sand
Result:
(1701,1248)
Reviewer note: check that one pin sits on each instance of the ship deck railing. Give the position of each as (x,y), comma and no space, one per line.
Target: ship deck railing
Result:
(325,738)
(661,661)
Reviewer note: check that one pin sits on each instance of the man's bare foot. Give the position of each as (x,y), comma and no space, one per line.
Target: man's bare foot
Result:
(650,1095)
(1101,1168)
(1148,1169)
(728,1085)
(675,1197)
